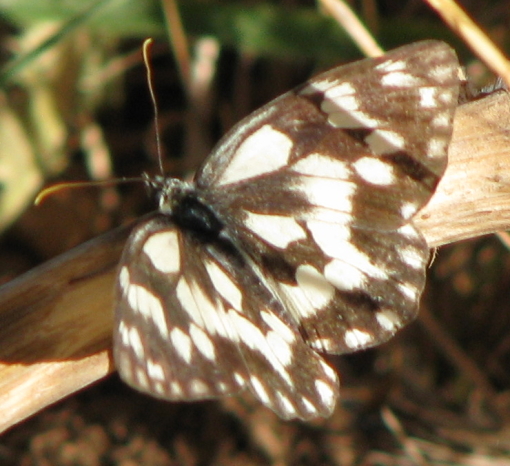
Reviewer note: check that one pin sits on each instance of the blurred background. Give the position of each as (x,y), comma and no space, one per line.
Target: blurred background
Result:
(74,105)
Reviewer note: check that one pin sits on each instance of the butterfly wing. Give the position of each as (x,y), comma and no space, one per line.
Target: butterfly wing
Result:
(319,188)
(186,329)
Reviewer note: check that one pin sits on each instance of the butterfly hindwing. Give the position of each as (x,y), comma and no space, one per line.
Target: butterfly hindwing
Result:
(321,185)
(203,337)
(158,346)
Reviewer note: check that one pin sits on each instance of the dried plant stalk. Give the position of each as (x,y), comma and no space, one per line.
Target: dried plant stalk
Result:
(473,197)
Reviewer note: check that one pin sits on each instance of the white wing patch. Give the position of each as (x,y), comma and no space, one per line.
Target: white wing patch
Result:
(264,151)
(440,121)
(344,276)
(334,242)
(202,342)
(136,343)
(224,285)
(428,97)
(411,292)
(182,344)
(155,370)
(400,79)
(321,165)
(124,279)
(314,286)
(357,338)
(313,292)
(388,320)
(412,257)
(330,237)
(141,376)
(408,209)
(342,105)
(436,147)
(287,405)
(327,395)
(163,251)
(198,387)
(144,302)
(328,193)
(389,66)
(409,231)
(259,389)
(278,326)
(281,348)
(200,309)
(375,171)
(385,141)
(253,337)
(277,230)
(297,302)
(319,86)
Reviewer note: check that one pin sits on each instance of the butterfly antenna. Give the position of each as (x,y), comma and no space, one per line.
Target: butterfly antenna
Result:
(146,49)
(50,190)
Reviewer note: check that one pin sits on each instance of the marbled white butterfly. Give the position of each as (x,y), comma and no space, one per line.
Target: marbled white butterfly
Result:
(294,239)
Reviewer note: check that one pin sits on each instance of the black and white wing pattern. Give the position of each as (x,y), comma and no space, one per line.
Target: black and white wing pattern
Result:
(295,239)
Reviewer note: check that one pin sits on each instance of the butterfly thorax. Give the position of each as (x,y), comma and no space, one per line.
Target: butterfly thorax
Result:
(181,201)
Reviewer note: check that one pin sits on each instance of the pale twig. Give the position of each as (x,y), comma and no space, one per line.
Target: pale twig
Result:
(354,27)
(474,37)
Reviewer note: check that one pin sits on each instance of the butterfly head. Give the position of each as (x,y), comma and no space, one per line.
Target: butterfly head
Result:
(169,191)
(179,200)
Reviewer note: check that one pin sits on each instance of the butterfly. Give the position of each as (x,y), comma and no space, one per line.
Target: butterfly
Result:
(294,240)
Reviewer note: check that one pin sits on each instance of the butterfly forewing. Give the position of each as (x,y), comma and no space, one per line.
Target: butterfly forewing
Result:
(380,123)
(295,237)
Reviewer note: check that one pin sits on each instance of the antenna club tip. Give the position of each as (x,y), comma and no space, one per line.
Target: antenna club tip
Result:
(47,192)
(82,184)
